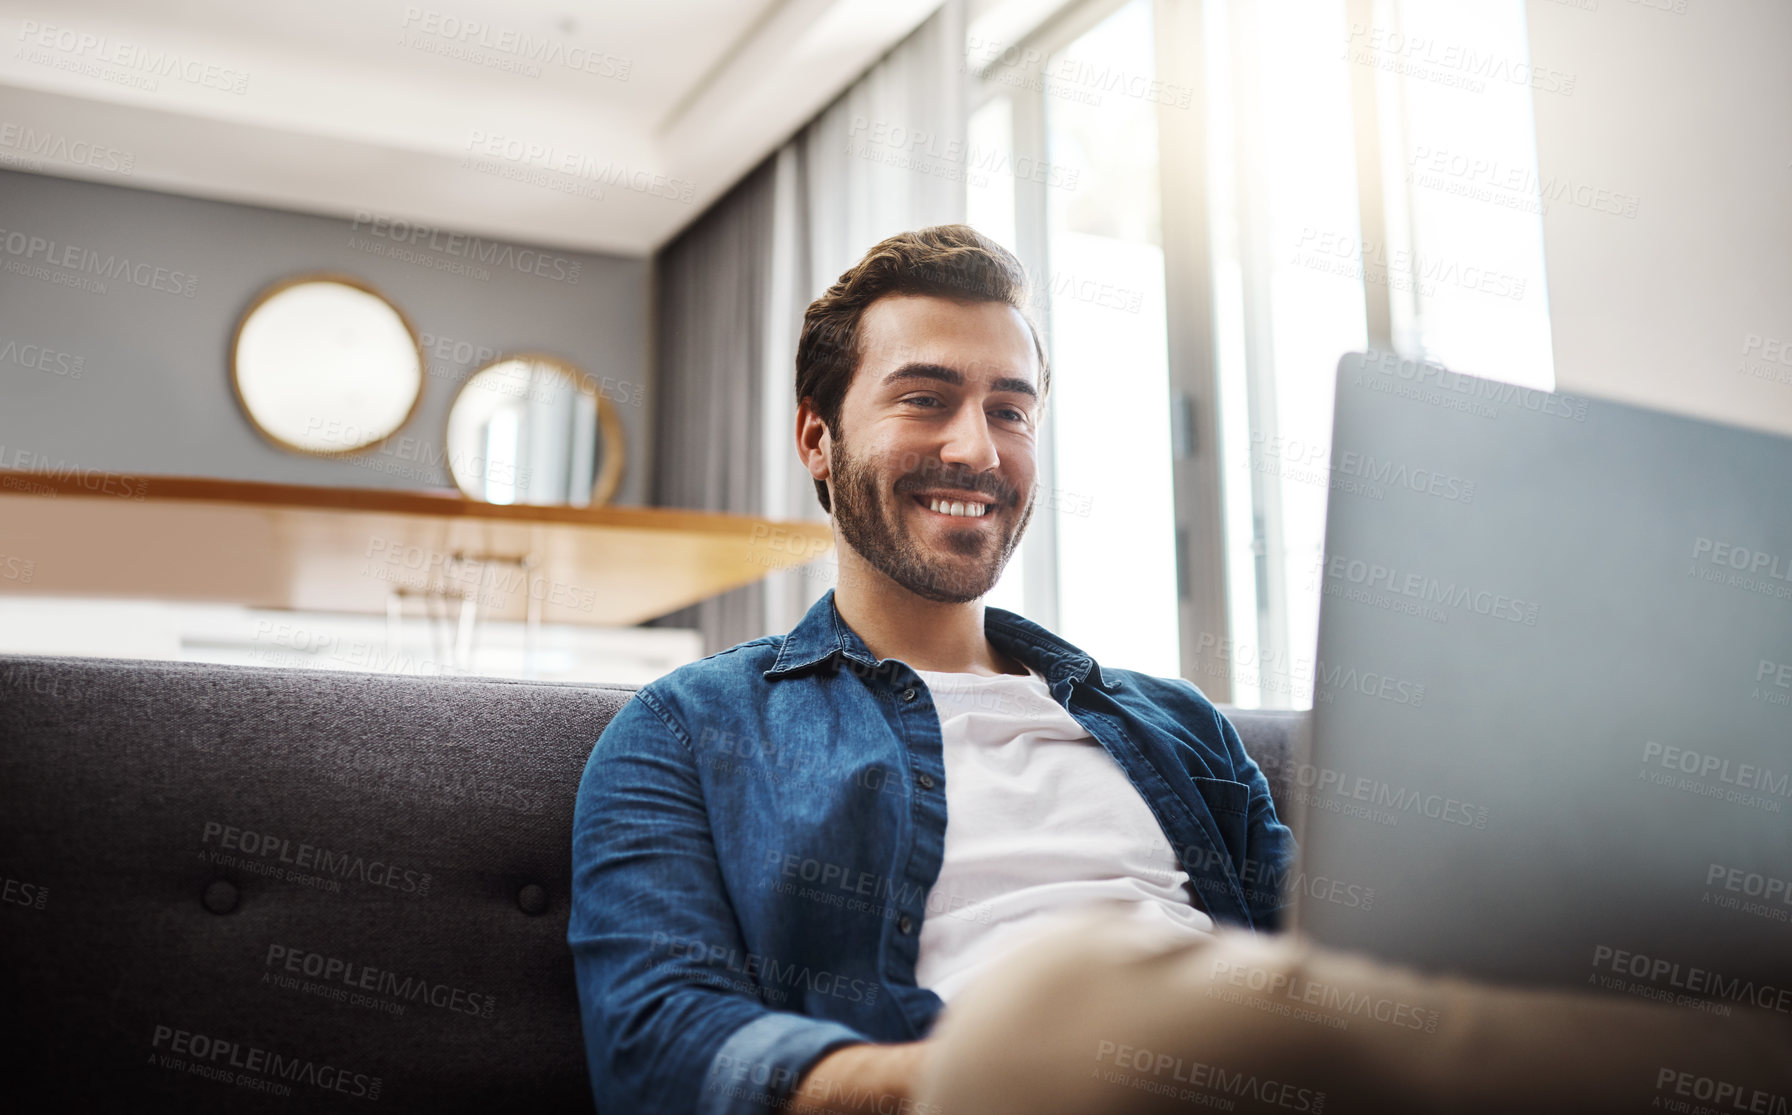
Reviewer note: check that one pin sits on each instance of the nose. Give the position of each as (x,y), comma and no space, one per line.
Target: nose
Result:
(968,442)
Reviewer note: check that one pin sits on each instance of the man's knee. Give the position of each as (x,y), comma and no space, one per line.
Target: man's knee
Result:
(1102,959)
(1024,1036)
(1252,969)
(1049,1028)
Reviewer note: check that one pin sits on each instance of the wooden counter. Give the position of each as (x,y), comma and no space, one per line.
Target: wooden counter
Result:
(94,533)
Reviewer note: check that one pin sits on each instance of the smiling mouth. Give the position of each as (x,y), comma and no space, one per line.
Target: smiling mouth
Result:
(955,509)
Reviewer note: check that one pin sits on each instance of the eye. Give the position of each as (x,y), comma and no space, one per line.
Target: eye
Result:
(1011,414)
(919,399)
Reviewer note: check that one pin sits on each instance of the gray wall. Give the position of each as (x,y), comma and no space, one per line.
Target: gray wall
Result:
(135,378)
(1686,106)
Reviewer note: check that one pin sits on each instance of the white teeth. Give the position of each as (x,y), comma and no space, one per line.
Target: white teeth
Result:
(958,507)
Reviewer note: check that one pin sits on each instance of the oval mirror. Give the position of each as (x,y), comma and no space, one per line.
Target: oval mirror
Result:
(534,429)
(323,364)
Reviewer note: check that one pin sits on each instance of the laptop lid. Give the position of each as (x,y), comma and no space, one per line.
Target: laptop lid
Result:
(1552,724)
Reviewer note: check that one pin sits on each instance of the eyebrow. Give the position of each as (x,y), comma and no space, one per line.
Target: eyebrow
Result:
(942,374)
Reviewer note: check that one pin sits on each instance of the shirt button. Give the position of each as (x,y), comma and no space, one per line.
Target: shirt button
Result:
(908,694)
(905,924)
(926,781)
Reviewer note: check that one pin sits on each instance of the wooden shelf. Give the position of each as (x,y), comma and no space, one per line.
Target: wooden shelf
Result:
(347,549)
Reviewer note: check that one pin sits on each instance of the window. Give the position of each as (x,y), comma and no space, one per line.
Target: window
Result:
(1113,511)
(1224,201)
(1289,269)
(1435,249)
(1079,204)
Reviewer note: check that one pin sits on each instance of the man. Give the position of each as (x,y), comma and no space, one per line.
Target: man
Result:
(789,856)
(767,889)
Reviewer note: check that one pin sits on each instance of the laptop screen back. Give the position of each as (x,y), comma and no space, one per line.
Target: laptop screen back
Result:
(1552,725)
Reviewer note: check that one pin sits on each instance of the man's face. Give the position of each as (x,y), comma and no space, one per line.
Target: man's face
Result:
(938,421)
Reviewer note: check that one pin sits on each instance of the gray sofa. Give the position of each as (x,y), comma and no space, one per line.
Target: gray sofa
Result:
(234,888)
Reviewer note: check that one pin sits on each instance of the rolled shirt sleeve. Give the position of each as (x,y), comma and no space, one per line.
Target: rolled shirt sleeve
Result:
(764,1060)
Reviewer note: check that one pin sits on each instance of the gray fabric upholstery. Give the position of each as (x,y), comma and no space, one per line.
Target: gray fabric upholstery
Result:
(1277,740)
(127,920)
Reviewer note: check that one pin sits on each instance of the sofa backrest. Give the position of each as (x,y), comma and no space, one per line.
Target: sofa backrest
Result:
(232,888)
(360,875)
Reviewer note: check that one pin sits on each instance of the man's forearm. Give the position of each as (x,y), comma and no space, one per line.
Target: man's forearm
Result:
(865,1077)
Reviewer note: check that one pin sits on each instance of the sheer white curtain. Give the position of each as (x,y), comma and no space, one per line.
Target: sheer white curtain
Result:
(887,156)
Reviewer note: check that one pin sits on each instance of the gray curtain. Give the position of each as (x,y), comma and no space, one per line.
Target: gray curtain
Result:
(711,292)
(731,294)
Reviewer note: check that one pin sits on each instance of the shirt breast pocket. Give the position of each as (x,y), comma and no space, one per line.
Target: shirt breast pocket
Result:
(1230,804)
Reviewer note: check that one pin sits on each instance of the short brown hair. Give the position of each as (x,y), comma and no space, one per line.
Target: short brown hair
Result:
(947,261)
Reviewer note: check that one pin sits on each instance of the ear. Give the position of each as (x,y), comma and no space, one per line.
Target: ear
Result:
(814,445)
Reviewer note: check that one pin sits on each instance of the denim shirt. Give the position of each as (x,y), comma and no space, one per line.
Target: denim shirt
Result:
(756,836)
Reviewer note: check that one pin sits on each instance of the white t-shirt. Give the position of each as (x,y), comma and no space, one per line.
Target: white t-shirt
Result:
(1039,819)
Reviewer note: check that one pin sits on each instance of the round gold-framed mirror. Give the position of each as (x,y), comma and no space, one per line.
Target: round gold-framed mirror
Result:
(325,365)
(533,428)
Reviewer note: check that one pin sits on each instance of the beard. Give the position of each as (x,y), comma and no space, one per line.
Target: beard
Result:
(870,516)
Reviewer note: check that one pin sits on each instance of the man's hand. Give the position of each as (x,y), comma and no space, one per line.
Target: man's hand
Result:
(856,1078)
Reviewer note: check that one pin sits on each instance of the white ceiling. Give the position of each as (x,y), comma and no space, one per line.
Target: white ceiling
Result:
(350,107)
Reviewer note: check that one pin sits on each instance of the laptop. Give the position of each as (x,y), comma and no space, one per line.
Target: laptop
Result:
(1552,723)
